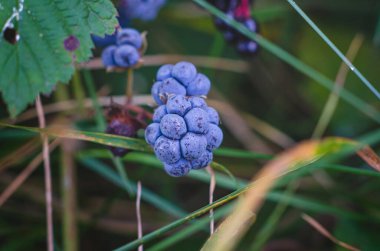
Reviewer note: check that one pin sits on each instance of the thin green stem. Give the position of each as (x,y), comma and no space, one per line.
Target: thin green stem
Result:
(146,195)
(334,48)
(123,174)
(129,87)
(294,62)
(101,124)
(89,82)
(78,91)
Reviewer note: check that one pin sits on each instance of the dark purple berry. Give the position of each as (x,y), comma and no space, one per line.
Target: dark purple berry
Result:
(71,43)
(121,123)
(239,10)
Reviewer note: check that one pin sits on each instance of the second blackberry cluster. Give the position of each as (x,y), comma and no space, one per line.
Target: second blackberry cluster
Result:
(238,10)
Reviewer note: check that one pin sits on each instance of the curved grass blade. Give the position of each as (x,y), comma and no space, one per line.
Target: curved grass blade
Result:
(303,154)
(333,99)
(150,160)
(224,169)
(352,170)
(317,226)
(146,194)
(237,153)
(270,225)
(233,228)
(193,228)
(313,205)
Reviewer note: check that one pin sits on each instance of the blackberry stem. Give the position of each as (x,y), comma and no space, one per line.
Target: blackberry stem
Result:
(129,88)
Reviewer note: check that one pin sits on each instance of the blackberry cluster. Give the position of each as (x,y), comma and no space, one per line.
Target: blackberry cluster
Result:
(185,129)
(126,52)
(181,78)
(145,10)
(238,10)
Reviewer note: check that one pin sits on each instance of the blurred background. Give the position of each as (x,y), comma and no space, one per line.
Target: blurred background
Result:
(266,106)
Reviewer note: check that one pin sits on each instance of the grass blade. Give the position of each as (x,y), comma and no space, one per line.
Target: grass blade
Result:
(294,62)
(95,137)
(193,228)
(326,233)
(314,151)
(237,153)
(146,194)
(334,48)
(233,228)
(122,173)
(270,224)
(333,99)
(89,82)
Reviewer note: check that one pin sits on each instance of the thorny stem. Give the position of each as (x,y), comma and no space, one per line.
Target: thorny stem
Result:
(48,185)
(129,88)
(211,197)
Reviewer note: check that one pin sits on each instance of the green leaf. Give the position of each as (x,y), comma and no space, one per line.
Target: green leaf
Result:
(39,60)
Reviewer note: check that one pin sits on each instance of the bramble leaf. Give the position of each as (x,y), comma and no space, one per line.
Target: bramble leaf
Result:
(38,60)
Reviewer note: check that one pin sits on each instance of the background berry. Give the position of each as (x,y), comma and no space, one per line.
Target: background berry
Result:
(145,10)
(130,37)
(108,56)
(240,12)
(126,56)
(121,123)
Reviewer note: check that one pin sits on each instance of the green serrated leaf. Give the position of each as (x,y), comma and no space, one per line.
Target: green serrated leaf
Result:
(39,60)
